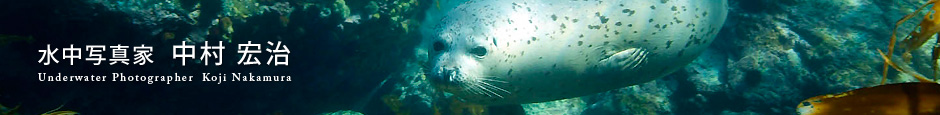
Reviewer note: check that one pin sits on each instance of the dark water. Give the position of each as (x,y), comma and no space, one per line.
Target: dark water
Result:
(360,55)
(327,73)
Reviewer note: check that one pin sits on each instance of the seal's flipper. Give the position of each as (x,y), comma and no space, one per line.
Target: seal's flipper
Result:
(624,60)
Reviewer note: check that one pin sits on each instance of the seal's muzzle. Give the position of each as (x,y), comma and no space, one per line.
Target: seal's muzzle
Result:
(445,78)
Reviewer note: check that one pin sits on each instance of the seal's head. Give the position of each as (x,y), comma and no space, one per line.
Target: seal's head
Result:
(458,64)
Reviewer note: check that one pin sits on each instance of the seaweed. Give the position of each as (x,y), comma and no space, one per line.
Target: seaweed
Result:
(8,111)
(452,106)
(15,111)
(901,98)
(915,98)
(57,112)
(927,27)
(458,107)
(395,104)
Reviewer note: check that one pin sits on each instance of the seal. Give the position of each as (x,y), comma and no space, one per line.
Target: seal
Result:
(510,52)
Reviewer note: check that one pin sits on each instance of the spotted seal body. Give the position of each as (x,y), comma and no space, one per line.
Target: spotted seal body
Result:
(523,51)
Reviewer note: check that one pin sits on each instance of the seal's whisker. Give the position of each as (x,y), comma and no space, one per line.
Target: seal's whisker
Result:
(473,90)
(480,91)
(477,89)
(500,89)
(494,80)
(488,92)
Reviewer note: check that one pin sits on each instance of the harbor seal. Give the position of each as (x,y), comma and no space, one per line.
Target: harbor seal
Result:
(523,51)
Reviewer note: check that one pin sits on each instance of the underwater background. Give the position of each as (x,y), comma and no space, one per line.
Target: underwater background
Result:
(363,57)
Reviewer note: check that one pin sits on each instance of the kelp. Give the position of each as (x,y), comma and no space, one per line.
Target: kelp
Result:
(15,111)
(892,99)
(8,111)
(919,98)
(57,112)
(929,26)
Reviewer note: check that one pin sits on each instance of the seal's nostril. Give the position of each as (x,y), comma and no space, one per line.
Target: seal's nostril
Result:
(446,77)
(448,74)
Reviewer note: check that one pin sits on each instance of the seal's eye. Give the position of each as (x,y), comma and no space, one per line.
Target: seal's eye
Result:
(438,46)
(478,51)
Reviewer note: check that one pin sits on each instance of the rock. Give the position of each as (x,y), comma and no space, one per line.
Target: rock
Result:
(726,112)
(705,73)
(647,98)
(343,112)
(572,106)
(782,52)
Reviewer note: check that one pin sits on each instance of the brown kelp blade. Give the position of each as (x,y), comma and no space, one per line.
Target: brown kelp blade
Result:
(891,99)
(933,61)
(929,26)
(888,61)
